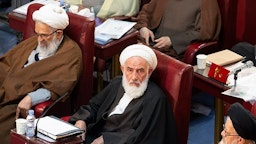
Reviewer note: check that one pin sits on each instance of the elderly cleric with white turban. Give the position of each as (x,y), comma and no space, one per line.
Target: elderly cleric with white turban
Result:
(136,83)
(40,68)
(131,108)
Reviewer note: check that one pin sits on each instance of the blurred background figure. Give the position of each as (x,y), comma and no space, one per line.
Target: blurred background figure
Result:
(171,25)
(110,8)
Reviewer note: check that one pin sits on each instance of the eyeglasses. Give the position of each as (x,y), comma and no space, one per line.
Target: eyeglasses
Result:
(44,36)
(227,133)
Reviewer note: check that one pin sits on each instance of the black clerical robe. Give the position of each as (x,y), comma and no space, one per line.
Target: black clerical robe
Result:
(148,119)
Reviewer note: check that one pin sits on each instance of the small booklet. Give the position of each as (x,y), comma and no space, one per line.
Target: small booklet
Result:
(224,57)
(112,29)
(56,128)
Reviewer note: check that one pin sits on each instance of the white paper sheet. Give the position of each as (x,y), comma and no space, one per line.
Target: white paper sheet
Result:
(245,89)
(23,9)
(114,28)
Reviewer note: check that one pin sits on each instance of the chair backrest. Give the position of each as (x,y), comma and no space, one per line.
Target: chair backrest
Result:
(238,22)
(176,79)
(81,30)
(253,109)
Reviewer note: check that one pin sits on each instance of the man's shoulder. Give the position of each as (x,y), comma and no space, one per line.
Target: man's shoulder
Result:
(154,90)
(71,44)
(68,39)
(116,80)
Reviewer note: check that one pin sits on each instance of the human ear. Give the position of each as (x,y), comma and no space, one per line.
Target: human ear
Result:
(241,140)
(122,68)
(59,34)
(150,70)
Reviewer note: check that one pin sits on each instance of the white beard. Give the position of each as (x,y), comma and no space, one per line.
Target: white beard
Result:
(50,49)
(222,142)
(134,91)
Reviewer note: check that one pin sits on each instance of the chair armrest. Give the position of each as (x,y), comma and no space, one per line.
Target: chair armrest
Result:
(197,48)
(59,109)
(41,107)
(65,118)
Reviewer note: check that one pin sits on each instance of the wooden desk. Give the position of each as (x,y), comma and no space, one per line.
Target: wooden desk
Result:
(21,139)
(204,83)
(104,52)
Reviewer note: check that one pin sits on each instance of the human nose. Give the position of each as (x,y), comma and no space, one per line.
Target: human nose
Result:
(222,133)
(134,75)
(40,38)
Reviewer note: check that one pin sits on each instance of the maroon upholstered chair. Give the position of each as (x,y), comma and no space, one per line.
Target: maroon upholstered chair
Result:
(81,30)
(253,110)
(238,22)
(238,25)
(176,80)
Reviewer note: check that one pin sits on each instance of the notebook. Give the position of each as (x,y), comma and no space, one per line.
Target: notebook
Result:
(224,57)
(56,128)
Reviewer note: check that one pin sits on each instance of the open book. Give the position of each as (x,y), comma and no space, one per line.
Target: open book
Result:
(112,29)
(56,128)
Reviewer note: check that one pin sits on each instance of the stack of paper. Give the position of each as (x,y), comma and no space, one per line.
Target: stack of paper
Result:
(23,9)
(112,29)
(56,128)
(245,84)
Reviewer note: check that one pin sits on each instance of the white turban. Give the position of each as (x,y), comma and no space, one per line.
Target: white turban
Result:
(52,15)
(139,50)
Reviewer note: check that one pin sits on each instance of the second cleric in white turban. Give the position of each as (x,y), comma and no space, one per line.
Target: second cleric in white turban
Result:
(131,109)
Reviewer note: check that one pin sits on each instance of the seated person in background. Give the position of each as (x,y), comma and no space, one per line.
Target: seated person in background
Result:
(246,49)
(40,68)
(240,126)
(172,25)
(111,8)
(131,109)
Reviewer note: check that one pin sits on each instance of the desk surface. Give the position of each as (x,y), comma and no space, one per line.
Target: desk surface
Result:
(203,74)
(21,139)
(214,87)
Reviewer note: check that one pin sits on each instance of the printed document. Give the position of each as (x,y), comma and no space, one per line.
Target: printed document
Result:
(23,9)
(114,29)
(56,128)
(245,88)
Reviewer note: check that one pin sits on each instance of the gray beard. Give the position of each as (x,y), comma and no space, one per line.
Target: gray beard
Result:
(50,49)
(134,91)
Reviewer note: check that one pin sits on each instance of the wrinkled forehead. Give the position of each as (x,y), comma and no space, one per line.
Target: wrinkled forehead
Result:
(229,125)
(136,61)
